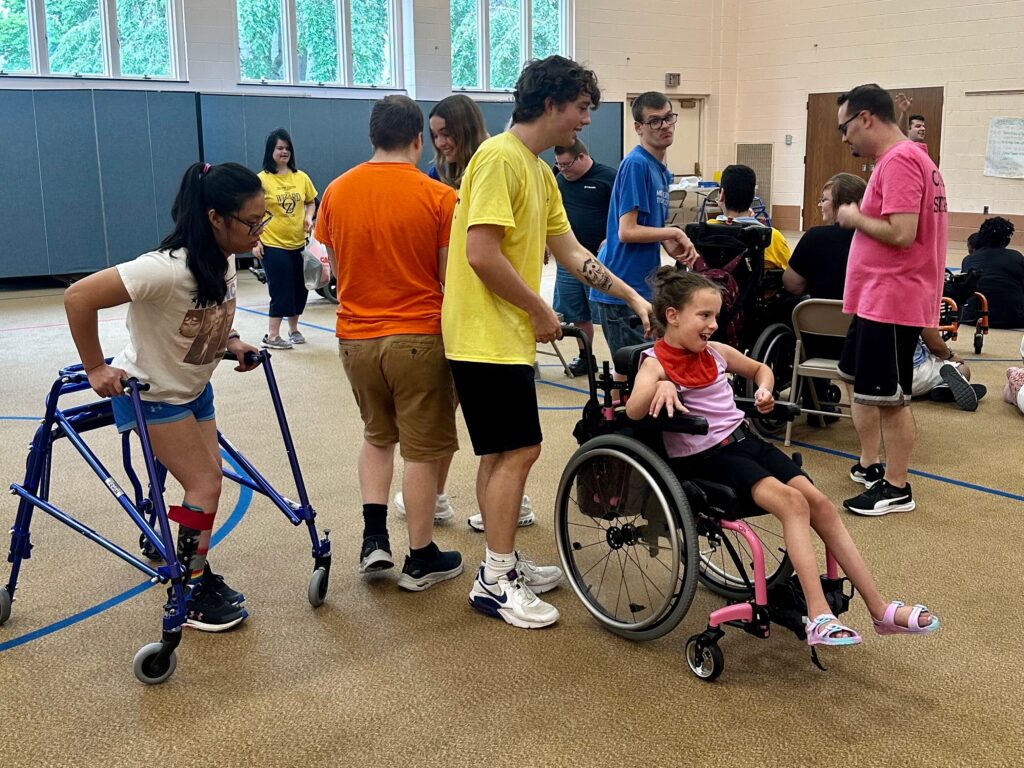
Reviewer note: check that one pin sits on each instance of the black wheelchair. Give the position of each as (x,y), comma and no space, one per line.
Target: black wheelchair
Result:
(635,539)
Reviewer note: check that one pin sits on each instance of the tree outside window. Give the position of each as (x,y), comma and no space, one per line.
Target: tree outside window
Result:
(143,33)
(15,54)
(74,37)
(259,40)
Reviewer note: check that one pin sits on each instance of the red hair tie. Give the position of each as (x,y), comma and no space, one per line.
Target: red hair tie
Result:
(206,169)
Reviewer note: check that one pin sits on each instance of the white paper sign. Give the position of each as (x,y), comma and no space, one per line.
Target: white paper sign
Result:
(1004,156)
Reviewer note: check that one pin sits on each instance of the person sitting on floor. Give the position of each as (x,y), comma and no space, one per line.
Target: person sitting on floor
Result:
(1002,275)
(738,185)
(941,375)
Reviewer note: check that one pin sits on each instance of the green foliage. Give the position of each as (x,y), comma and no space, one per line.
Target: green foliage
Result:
(317,23)
(143,34)
(14,50)
(547,29)
(371,43)
(74,36)
(506,43)
(465,41)
(259,39)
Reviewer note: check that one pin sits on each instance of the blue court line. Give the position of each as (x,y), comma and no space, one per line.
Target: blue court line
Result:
(20,418)
(564,386)
(241,507)
(301,322)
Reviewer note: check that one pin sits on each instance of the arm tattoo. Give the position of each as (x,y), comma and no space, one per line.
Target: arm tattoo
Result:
(594,274)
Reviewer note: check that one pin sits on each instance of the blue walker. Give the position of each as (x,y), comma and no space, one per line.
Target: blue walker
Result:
(154,662)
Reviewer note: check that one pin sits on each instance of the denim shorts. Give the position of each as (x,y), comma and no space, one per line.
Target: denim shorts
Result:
(157,412)
(621,326)
(571,299)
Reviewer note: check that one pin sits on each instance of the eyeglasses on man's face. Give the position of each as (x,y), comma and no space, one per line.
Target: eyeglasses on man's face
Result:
(655,123)
(254,229)
(846,124)
(567,166)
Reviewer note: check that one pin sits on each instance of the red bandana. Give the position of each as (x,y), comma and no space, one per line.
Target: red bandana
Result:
(685,368)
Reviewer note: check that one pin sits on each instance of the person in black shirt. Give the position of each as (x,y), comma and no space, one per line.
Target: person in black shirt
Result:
(1002,275)
(818,265)
(586,188)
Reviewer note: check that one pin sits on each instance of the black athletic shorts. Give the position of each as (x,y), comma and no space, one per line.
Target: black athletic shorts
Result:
(499,403)
(739,465)
(878,359)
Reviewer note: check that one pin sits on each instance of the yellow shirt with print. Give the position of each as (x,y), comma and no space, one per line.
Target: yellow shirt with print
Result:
(507,185)
(287,195)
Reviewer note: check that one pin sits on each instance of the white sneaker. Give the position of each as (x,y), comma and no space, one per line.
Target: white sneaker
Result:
(526,517)
(511,600)
(539,578)
(443,511)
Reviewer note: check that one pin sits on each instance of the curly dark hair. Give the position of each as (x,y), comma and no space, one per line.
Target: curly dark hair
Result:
(557,78)
(995,233)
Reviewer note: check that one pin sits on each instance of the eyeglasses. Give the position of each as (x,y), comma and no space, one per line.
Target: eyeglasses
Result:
(254,229)
(845,125)
(656,122)
(567,166)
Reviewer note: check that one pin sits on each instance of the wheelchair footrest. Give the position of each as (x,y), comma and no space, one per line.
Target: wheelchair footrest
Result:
(787,605)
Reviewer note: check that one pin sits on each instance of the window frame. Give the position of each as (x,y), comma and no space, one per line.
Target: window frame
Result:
(483,54)
(39,56)
(346,67)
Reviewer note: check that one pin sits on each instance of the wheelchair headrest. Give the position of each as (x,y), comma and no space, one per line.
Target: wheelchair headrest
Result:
(724,233)
(627,359)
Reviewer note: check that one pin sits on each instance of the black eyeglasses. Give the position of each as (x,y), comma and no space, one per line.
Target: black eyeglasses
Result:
(567,166)
(656,122)
(254,229)
(845,125)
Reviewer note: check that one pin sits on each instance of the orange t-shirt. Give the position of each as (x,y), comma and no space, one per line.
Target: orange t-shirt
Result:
(385,223)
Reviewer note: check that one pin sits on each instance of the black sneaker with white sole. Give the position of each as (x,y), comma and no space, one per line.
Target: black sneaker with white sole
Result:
(880,499)
(215,583)
(867,475)
(375,554)
(207,611)
(962,391)
(418,575)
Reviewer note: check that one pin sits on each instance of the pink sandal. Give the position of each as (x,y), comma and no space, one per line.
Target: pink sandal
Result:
(824,628)
(888,626)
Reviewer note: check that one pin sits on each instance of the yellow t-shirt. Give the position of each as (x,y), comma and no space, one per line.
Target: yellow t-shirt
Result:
(776,255)
(504,184)
(287,195)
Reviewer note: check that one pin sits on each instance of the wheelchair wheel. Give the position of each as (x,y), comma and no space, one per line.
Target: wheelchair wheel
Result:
(726,563)
(626,537)
(330,291)
(774,347)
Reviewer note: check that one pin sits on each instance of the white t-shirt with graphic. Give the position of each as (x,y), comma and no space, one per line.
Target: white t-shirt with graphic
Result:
(174,345)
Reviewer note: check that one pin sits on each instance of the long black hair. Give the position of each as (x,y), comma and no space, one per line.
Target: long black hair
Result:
(223,188)
(269,164)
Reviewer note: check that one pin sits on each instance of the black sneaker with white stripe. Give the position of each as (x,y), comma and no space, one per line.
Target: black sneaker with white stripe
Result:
(880,499)
(867,475)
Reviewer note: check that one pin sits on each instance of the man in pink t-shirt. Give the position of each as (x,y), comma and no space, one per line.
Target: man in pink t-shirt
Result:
(893,289)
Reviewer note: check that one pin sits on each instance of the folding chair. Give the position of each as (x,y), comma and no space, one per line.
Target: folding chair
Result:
(821,318)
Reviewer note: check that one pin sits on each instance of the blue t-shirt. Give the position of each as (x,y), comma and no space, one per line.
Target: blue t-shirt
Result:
(432,173)
(642,184)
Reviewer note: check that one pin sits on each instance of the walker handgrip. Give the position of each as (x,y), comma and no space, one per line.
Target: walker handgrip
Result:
(686,423)
(251,358)
(135,383)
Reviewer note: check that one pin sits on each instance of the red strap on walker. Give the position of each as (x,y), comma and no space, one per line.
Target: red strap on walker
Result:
(198,521)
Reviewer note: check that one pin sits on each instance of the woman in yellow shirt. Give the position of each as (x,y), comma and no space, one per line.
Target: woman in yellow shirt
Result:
(290,197)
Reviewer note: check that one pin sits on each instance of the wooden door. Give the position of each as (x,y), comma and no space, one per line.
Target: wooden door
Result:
(828,155)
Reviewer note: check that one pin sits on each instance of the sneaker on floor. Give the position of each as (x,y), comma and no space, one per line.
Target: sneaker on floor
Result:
(539,578)
(867,476)
(443,511)
(418,575)
(960,388)
(881,499)
(207,611)
(526,517)
(375,554)
(275,343)
(943,394)
(215,583)
(512,601)
(296,338)
(578,366)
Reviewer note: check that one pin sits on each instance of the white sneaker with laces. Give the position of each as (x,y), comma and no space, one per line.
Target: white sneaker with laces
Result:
(512,601)
(443,511)
(526,517)
(539,578)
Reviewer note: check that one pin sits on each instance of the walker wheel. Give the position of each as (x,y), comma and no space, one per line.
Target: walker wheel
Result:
(705,658)
(979,340)
(148,550)
(318,587)
(5,605)
(150,668)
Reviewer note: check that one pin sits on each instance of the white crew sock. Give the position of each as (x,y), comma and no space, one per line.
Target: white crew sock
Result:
(497,565)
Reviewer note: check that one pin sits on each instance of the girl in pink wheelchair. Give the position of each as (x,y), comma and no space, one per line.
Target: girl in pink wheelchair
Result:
(685,372)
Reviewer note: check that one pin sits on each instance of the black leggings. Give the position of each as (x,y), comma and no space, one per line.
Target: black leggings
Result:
(288,292)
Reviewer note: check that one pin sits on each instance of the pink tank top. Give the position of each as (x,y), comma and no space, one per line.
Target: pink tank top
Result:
(715,402)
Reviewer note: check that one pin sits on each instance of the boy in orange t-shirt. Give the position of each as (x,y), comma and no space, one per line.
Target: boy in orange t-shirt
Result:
(386,226)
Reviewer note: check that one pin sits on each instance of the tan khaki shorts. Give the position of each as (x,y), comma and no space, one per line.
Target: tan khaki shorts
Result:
(404,390)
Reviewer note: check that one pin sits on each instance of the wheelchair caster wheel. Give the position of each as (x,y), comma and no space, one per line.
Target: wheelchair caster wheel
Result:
(5,605)
(705,658)
(979,341)
(148,550)
(318,587)
(151,667)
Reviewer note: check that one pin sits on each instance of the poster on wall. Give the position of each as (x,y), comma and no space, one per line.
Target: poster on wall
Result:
(1004,156)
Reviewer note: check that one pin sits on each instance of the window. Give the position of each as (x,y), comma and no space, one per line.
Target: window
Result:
(338,42)
(113,38)
(513,31)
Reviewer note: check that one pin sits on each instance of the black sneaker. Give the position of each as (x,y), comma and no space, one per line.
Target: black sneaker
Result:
(215,583)
(965,395)
(578,367)
(867,476)
(418,575)
(375,554)
(880,499)
(207,611)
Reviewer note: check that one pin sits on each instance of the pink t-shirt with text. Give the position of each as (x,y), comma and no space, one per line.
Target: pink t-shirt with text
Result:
(886,283)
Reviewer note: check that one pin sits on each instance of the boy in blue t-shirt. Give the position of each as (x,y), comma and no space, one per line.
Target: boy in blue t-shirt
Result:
(636,219)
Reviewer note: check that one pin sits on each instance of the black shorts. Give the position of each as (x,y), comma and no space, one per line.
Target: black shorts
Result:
(878,358)
(499,403)
(739,465)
